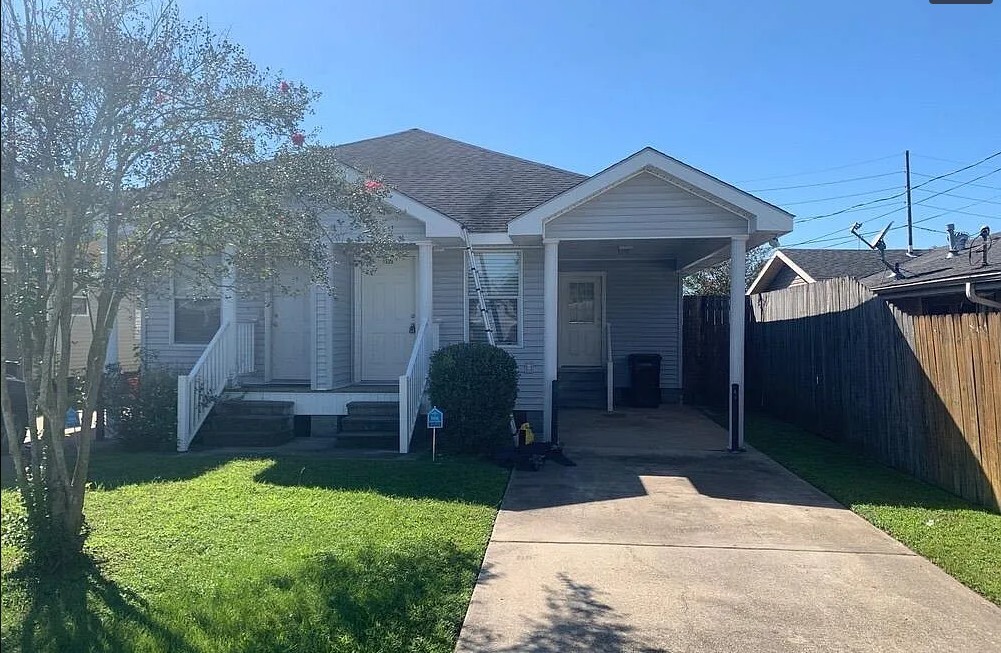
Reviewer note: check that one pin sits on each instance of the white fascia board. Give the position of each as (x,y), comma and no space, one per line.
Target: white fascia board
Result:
(761,215)
(436,224)
(767,273)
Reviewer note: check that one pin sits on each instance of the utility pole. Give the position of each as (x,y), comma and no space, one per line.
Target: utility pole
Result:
(910,224)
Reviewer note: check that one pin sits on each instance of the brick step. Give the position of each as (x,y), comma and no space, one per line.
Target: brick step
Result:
(374,408)
(243,407)
(369,423)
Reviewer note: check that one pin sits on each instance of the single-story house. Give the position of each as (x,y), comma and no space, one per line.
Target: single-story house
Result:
(581,271)
(941,281)
(788,268)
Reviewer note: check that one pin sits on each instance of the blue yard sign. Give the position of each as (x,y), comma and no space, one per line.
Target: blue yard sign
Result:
(436,418)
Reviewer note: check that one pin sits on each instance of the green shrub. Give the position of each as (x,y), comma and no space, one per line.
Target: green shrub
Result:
(142,410)
(476,385)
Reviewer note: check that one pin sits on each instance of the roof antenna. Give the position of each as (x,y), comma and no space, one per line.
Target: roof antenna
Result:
(985,233)
(957,240)
(879,244)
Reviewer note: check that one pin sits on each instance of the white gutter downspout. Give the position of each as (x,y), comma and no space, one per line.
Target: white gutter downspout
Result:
(971,294)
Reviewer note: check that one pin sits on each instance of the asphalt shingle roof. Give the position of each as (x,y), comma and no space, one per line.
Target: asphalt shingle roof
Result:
(833,263)
(480,188)
(933,266)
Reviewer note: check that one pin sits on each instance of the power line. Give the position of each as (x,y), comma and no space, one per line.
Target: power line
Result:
(987,186)
(975,215)
(838,197)
(817,172)
(826,183)
(962,197)
(965,183)
(904,192)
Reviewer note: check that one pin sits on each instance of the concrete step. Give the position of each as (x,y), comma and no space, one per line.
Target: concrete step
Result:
(245,438)
(243,407)
(369,423)
(247,423)
(374,408)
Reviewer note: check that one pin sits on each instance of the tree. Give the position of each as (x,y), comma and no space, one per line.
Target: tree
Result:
(715,280)
(133,141)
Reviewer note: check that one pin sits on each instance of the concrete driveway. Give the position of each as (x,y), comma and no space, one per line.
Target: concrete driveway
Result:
(658,540)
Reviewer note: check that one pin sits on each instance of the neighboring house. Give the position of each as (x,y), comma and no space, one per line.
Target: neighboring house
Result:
(933,282)
(128,327)
(793,267)
(580,271)
(936,283)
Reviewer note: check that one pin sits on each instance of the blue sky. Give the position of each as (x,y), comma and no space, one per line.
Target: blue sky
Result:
(752,92)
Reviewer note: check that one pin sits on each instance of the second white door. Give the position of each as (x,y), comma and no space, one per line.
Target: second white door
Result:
(582,319)
(388,320)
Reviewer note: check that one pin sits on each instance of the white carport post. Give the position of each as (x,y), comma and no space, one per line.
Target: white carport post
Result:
(550,306)
(738,247)
(425,272)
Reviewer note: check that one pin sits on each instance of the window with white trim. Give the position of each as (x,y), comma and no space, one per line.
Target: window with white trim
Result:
(500,280)
(197,313)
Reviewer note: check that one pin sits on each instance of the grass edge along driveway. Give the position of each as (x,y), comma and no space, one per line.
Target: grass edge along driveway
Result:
(206,553)
(962,538)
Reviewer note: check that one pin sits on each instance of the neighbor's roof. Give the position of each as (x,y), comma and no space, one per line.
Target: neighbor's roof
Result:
(819,264)
(834,263)
(934,268)
(479,188)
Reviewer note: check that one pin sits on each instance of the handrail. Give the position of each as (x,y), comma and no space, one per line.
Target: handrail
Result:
(609,370)
(413,382)
(198,390)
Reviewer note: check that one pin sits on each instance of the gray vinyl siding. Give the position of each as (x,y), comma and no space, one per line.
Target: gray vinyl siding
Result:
(81,337)
(342,322)
(641,303)
(250,308)
(449,270)
(646,206)
(404,226)
(786,277)
(157,339)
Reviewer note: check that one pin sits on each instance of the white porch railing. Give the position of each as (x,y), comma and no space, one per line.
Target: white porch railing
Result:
(244,347)
(198,390)
(609,370)
(413,383)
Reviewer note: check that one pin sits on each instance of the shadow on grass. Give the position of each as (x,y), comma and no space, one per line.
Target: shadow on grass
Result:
(576,619)
(110,469)
(79,609)
(409,597)
(469,481)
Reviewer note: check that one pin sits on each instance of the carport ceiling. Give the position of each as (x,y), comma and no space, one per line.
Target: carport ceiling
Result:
(682,251)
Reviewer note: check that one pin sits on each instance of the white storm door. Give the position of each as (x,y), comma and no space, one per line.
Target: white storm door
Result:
(290,326)
(388,320)
(582,319)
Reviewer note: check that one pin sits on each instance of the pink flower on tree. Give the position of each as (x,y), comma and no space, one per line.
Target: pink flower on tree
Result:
(372,185)
(284,86)
(298,138)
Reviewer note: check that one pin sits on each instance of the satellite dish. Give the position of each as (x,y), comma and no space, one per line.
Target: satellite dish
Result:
(879,238)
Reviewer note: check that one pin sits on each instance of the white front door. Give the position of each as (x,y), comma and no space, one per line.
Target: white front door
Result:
(290,326)
(388,320)
(582,319)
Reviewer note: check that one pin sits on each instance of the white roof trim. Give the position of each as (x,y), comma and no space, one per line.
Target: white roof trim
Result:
(766,217)
(436,224)
(771,268)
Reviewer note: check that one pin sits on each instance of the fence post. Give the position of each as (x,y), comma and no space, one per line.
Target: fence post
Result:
(183,414)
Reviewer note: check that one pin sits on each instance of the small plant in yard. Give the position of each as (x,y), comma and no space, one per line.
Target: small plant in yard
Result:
(476,385)
(143,409)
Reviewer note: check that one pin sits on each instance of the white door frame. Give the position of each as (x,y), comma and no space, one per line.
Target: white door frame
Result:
(590,274)
(356,303)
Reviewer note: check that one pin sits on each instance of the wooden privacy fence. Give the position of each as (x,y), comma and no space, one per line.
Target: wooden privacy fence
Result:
(706,350)
(920,393)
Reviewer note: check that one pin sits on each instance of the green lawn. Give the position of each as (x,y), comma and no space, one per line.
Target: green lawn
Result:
(959,537)
(202,553)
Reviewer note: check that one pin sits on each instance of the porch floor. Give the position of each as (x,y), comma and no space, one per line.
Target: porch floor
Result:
(258,385)
(640,430)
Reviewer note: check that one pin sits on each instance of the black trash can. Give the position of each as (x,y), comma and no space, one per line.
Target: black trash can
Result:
(644,380)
